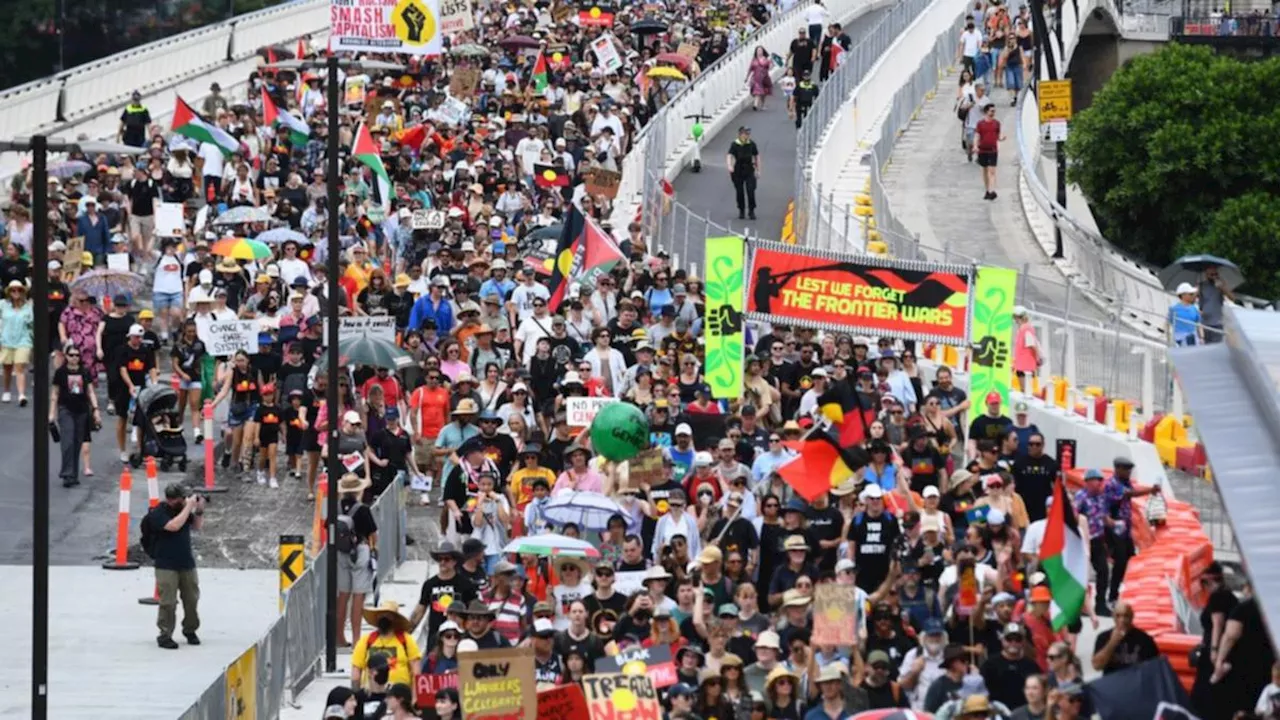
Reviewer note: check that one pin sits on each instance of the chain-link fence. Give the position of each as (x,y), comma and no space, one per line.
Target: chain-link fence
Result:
(287,657)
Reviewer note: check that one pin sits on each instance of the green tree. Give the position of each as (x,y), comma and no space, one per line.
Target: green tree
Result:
(1171,137)
(1245,229)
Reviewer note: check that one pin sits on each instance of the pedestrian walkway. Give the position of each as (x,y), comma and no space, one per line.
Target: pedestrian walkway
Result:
(937,193)
(710,194)
(103,659)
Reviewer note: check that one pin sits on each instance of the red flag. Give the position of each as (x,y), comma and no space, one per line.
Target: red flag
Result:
(821,465)
(301,52)
(413,136)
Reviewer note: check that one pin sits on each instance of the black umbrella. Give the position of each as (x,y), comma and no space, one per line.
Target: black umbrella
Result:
(649,26)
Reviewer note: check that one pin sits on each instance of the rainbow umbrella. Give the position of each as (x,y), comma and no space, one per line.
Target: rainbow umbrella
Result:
(241,249)
(552,545)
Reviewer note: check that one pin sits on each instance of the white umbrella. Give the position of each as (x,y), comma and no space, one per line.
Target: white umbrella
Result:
(551,545)
(588,510)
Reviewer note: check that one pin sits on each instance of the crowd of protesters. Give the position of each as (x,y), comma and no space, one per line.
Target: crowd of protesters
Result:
(719,560)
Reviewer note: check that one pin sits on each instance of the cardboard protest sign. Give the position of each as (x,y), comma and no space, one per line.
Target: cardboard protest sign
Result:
(230,336)
(654,662)
(689,50)
(456,16)
(607,56)
(582,410)
(621,697)
(382,327)
(169,221)
(428,219)
(464,82)
(426,687)
(73,258)
(833,610)
(603,182)
(646,467)
(118,261)
(497,684)
(563,702)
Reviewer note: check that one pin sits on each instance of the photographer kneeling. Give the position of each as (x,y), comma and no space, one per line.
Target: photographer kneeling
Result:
(166,537)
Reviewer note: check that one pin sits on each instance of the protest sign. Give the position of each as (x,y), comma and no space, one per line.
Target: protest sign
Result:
(606,53)
(833,612)
(382,327)
(602,182)
(689,50)
(456,16)
(227,337)
(464,82)
(428,219)
(646,467)
(628,581)
(354,94)
(73,258)
(496,684)
(580,411)
(411,27)
(427,685)
(563,702)
(654,662)
(168,220)
(118,261)
(618,696)
(718,18)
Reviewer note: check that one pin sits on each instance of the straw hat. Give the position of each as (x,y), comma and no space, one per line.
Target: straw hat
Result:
(562,561)
(352,483)
(388,608)
(15,285)
(466,406)
(779,673)
(226,264)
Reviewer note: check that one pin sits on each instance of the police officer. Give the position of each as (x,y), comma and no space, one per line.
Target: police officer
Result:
(744,171)
(134,121)
(805,93)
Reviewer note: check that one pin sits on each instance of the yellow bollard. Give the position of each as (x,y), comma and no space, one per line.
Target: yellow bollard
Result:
(876,247)
(1123,415)
(1060,392)
(864,210)
(862,199)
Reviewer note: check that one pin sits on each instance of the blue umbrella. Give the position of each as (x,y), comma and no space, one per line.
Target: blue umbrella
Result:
(280,236)
(1188,269)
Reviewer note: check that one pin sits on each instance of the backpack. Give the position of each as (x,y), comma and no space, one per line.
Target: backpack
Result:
(346,539)
(370,651)
(148,536)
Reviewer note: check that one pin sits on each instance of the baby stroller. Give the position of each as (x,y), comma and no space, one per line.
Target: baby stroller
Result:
(159,422)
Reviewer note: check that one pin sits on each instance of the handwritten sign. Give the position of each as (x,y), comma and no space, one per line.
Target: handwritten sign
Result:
(718,18)
(426,687)
(428,219)
(646,467)
(496,684)
(169,222)
(607,53)
(464,82)
(563,702)
(654,662)
(689,50)
(455,17)
(118,261)
(628,581)
(228,337)
(833,614)
(603,182)
(621,697)
(73,258)
(580,411)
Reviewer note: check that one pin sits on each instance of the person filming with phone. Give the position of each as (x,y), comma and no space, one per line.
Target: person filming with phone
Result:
(166,537)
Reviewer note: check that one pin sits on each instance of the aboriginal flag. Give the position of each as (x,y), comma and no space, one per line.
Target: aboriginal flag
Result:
(596,15)
(584,252)
(546,175)
(821,465)
(841,405)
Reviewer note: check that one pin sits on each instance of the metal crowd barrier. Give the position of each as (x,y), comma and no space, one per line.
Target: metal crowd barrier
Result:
(288,654)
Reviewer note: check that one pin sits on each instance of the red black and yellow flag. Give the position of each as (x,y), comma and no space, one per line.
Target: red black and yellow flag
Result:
(596,15)
(549,176)
(840,404)
(821,465)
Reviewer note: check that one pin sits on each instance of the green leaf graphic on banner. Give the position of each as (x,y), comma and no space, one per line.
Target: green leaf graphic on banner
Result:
(726,257)
(991,333)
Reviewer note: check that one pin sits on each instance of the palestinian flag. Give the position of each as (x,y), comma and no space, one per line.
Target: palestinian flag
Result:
(850,421)
(584,253)
(546,175)
(188,124)
(298,130)
(1062,558)
(596,16)
(821,465)
(366,152)
(539,79)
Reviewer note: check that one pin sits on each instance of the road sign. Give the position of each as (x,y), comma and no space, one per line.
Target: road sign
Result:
(292,562)
(1055,100)
(1055,131)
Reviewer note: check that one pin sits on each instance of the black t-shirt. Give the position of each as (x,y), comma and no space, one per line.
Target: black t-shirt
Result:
(1222,601)
(617,602)
(361,518)
(875,539)
(136,361)
(1136,647)
(591,647)
(135,119)
(801,55)
(73,389)
(501,449)
(744,156)
(824,524)
(1253,652)
(1004,678)
(924,466)
(269,419)
(1034,479)
(478,577)
(985,427)
(172,548)
(550,672)
(739,537)
(114,331)
(143,192)
(438,595)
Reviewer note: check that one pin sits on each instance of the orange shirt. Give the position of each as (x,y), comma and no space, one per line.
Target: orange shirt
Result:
(432,409)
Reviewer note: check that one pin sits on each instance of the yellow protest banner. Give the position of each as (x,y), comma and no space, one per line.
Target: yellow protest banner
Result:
(621,696)
(496,684)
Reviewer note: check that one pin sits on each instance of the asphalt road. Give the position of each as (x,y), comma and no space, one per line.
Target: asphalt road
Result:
(710,194)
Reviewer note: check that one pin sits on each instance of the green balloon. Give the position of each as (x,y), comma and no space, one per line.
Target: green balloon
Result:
(697,131)
(619,431)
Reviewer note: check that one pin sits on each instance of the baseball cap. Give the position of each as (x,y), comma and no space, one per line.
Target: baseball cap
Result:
(931,491)
(351,417)
(681,690)
(1012,628)
(136,330)
(1020,406)
(994,396)
(846,565)
(684,429)
(871,491)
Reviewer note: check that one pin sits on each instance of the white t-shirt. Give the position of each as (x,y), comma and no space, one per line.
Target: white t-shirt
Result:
(564,597)
(530,331)
(291,268)
(523,297)
(168,275)
(213,162)
(1033,537)
(971,40)
(815,15)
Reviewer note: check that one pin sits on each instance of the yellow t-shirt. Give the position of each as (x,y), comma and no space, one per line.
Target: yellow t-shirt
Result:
(400,656)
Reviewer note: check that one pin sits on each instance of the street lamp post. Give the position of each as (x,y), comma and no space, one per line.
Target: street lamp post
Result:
(40,146)
(333,465)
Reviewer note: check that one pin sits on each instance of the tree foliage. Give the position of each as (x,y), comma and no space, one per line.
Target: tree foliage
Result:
(1247,230)
(1169,140)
